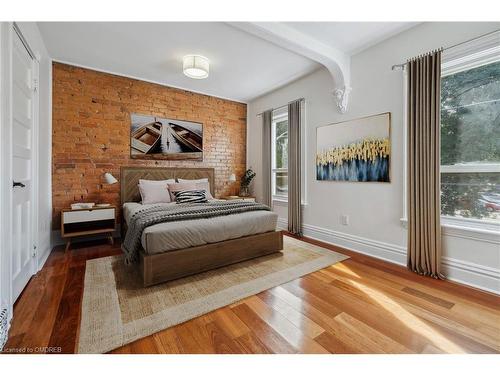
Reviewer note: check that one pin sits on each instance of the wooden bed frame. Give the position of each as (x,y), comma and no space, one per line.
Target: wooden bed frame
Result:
(158,268)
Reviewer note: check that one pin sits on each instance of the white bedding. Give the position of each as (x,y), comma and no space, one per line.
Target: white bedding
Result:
(175,235)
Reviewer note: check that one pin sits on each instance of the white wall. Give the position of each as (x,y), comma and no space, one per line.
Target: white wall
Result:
(43,158)
(374,209)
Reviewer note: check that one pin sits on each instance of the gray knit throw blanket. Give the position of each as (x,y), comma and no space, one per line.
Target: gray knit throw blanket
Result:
(187,211)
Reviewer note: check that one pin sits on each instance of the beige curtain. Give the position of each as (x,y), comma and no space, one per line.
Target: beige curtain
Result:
(424,205)
(266,157)
(294,167)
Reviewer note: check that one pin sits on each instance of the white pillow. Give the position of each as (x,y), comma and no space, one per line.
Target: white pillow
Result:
(165,182)
(198,180)
(153,191)
(201,184)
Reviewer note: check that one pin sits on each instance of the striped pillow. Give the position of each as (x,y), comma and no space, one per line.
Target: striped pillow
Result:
(190,196)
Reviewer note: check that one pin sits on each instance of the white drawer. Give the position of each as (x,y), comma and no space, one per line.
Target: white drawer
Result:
(88,215)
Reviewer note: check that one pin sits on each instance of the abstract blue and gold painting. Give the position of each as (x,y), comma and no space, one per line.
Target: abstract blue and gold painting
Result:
(356,150)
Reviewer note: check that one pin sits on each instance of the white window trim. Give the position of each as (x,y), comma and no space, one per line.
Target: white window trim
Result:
(463,57)
(471,168)
(471,54)
(276,197)
(280,115)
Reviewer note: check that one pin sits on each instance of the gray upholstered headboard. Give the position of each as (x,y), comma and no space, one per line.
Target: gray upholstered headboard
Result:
(129,178)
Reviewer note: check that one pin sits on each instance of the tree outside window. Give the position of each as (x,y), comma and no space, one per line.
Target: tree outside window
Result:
(280,155)
(470,143)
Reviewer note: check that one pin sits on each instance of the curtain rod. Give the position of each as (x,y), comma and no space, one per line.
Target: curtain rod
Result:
(282,106)
(402,66)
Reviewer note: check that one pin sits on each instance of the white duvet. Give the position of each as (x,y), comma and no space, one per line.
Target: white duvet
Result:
(175,235)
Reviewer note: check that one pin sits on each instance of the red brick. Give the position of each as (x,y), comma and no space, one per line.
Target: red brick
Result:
(91,111)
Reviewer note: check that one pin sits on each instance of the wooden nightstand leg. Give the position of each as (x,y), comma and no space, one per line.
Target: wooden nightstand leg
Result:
(68,244)
(111,240)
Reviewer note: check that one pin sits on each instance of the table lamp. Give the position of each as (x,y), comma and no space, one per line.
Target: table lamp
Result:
(109,180)
(232,178)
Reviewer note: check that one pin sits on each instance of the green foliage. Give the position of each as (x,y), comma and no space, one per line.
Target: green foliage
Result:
(470,132)
(464,194)
(247,178)
(282,144)
(470,115)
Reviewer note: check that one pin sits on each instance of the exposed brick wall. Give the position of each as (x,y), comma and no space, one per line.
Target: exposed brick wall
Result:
(91,132)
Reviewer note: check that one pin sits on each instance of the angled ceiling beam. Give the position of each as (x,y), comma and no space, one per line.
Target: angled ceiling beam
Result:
(337,62)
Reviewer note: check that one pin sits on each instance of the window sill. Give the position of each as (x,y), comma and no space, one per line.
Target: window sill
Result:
(284,202)
(279,200)
(468,229)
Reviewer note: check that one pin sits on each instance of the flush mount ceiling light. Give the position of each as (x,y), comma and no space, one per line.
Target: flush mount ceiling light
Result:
(195,66)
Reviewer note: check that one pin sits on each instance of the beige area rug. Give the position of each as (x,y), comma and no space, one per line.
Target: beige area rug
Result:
(116,309)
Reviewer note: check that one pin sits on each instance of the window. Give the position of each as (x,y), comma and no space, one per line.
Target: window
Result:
(279,154)
(470,145)
(470,140)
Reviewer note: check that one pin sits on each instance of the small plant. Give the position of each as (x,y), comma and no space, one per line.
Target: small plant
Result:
(247,178)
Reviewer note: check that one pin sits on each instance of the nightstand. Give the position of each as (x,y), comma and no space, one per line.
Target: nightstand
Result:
(235,198)
(83,222)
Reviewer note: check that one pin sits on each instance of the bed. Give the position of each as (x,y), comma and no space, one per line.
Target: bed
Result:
(176,249)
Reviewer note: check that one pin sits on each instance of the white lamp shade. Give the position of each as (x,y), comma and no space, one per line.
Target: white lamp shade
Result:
(110,179)
(195,66)
(232,177)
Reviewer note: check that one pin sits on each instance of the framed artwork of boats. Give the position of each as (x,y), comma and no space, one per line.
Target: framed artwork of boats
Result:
(163,138)
(357,150)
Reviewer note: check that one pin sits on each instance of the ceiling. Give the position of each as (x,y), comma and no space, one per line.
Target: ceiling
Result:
(242,66)
(350,37)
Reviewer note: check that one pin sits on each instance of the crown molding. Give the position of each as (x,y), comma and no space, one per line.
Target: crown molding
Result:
(337,62)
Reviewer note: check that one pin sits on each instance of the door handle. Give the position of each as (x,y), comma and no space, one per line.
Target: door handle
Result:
(20,184)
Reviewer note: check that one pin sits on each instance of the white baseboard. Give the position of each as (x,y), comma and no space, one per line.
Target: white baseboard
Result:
(44,248)
(43,257)
(468,273)
(377,249)
(472,274)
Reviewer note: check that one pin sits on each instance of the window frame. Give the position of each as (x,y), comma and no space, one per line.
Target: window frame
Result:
(277,116)
(457,59)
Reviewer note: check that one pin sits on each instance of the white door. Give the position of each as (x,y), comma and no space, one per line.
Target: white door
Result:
(23,261)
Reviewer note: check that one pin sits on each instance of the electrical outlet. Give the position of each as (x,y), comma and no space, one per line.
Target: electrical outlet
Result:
(344,219)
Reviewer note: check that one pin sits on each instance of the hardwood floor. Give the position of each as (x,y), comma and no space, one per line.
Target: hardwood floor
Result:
(361,305)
